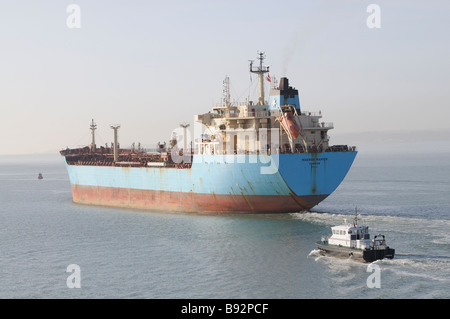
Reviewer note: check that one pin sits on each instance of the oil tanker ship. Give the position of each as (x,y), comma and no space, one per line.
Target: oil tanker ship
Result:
(265,156)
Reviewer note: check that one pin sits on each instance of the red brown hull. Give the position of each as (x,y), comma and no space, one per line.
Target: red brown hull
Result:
(191,202)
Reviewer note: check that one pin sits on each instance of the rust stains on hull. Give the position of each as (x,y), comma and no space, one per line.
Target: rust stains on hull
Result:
(192,202)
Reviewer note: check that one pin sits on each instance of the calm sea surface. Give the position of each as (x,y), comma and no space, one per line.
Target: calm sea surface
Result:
(135,254)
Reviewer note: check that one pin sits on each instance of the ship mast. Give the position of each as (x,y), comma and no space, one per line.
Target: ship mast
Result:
(93,128)
(184,125)
(226,100)
(260,70)
(116,142)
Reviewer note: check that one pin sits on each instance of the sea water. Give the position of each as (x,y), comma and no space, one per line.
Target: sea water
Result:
(124,253)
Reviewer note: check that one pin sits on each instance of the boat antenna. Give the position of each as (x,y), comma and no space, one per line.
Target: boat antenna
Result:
(260,70)
(356,216)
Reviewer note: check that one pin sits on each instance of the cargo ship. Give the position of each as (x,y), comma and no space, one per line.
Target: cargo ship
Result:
(264,156)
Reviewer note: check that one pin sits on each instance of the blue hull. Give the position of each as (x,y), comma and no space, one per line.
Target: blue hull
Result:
(217,183)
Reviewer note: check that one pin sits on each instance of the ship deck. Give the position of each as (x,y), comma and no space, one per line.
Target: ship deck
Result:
(104,156)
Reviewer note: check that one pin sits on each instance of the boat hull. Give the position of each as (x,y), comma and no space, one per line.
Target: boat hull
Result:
(354,253)
(191,202)
(216,184)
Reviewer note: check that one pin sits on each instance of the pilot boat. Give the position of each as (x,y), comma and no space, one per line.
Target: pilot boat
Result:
(352,241)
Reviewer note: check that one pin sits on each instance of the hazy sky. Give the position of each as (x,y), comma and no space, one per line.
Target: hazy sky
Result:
(150,65)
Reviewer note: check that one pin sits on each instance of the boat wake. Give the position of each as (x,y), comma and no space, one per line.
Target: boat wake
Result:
(315,253)
(421,257)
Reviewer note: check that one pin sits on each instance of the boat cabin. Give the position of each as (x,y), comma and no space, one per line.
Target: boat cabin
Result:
(352,236)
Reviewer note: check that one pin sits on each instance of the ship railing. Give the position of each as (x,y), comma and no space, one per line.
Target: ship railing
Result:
(230,115)
(328,125)
(320,125)
(254,114)
(307,113)
(142,159)
(217,115)
(232,104)
(241,114)
(341,148)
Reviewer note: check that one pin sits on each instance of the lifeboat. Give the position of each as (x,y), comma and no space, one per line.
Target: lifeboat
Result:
(289,123)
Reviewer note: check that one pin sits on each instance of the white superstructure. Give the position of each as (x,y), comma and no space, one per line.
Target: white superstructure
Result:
(350,236)
(354,236)
(247,127)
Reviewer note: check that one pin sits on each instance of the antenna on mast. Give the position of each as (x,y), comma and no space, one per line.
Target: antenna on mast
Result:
(226,100)
(355,223)
(260,70)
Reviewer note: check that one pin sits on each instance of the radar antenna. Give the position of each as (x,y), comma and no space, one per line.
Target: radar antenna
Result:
(260,70)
